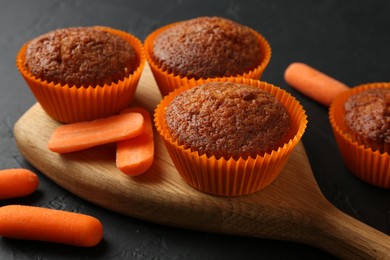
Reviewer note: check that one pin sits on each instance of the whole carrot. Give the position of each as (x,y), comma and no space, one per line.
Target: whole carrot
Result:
(135,156)
(313,83)
(43,224)
(78,136)
(17,183)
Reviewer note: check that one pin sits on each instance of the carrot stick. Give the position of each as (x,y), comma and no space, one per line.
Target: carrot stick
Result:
(313,83)
(17,183)
(83,135)
(135,156)
(43,224)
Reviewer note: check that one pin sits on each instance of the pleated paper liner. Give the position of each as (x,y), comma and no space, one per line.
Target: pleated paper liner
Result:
(232,177)
(68,104)
(370,166)
(167,82)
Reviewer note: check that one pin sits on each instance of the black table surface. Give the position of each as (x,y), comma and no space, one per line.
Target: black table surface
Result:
(348,40)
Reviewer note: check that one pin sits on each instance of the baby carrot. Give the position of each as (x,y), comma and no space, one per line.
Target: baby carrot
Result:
(135,156)
(313,83)
(83,135)
(17,183)
(50,225)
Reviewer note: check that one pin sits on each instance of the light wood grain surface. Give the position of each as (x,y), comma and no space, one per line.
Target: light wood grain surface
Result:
(292,208)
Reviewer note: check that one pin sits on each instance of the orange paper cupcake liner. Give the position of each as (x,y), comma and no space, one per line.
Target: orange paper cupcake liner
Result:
(370,166)
(232,177)
(167,82)
(68,104)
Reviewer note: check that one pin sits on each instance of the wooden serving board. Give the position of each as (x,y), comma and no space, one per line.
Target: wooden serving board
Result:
(292,208)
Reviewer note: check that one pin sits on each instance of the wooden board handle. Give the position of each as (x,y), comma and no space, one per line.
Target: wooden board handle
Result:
(347,237)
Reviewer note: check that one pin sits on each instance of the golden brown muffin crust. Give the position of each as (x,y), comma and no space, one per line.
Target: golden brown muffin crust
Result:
(80,56)
(207,47)
(367,115)
(228,120)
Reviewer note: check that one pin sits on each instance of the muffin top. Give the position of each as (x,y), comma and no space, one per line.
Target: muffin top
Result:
(227,120)
(80,56)
(207,47)
(368,115)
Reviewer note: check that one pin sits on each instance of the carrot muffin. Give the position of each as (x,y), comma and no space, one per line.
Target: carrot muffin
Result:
(80,56)
(230,136)
(82,73)
(227,119)
(203,48)
(360,119)
(367,116)
(207,47)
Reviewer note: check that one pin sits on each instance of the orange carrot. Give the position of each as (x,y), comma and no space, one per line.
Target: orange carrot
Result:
(50,225)
(135,156)
(17,183)
(313,83)
(83,135)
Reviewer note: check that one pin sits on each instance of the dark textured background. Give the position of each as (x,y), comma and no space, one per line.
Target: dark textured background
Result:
(348,40)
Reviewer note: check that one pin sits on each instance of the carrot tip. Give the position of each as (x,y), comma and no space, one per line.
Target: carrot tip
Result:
(313,83)
(17,182)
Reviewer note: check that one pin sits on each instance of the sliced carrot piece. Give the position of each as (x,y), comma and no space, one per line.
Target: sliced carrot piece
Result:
(17,183)
(43,224)
(313,83)
(83,135)
(135,156)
